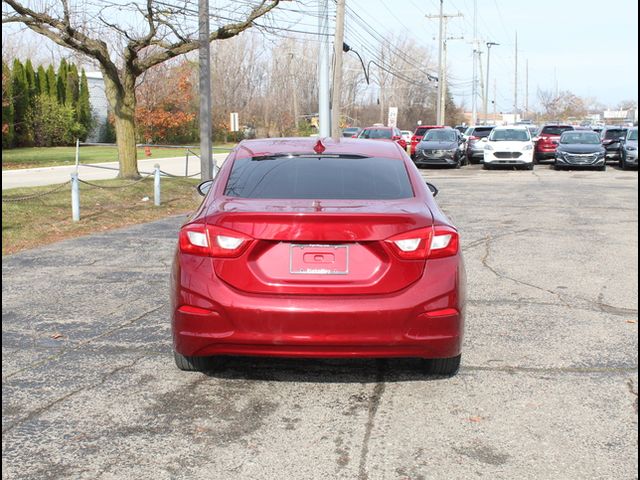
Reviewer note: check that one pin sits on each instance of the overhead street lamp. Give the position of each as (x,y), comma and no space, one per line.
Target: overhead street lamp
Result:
(486,87)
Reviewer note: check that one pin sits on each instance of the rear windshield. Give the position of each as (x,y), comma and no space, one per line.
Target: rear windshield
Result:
(440,135)
(573,138)
(482,132)
(509,135)
(376,133)
(421,131)
(555,129)
(633,135)
(615,133)
(319,178)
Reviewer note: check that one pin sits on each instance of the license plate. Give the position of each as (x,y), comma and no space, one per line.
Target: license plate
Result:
(319,259)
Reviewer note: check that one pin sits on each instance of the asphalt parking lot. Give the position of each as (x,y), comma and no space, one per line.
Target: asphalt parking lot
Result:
(547,390)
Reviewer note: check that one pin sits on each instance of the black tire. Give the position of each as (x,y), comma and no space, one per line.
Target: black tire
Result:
(603,168)
(192,364)
(530,166)
(486,166)
(458,163)
(447,367)
(557,167)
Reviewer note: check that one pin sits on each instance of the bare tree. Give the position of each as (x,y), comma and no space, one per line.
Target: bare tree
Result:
(127,39)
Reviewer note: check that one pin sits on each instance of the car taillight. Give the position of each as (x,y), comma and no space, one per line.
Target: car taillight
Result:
(474,138)
(444,243)
(424,243)
(212,241)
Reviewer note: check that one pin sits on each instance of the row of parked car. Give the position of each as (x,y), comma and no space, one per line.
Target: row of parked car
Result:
(513,145)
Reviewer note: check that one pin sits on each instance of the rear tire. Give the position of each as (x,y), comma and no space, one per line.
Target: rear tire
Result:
(447,367)
(192,364)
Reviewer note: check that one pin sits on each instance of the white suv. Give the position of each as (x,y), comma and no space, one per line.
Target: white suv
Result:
(509,145)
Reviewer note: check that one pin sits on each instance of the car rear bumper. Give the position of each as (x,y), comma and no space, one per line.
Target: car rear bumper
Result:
(545,155)
(424,320)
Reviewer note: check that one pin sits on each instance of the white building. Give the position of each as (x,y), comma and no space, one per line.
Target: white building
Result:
(99,105)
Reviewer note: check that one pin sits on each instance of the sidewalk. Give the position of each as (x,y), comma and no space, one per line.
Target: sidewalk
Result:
(34,177)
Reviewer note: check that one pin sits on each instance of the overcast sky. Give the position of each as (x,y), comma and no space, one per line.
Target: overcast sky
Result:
(589,46)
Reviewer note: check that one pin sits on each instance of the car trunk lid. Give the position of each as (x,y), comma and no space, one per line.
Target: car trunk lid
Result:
(316,247)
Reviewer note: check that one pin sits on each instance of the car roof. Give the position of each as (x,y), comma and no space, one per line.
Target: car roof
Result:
(305,145)
(511,127)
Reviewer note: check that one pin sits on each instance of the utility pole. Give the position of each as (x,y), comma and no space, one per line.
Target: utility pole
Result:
(443,91)
(495,100)
(204,84)
(481,80)
(442,60)
(324,109)
(526,89)
(515,86)
(337,71)
(486,92)
(476,58)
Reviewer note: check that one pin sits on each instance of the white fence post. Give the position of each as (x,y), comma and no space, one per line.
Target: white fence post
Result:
(77,155)
(156,186)
(75,198)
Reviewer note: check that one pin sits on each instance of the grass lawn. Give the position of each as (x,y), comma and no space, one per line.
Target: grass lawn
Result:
(14,158)
(39,221)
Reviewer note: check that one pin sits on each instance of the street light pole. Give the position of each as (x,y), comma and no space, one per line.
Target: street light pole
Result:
(486,87)
(337,70)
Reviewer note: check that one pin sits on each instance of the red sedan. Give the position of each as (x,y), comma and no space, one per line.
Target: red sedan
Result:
(305,249)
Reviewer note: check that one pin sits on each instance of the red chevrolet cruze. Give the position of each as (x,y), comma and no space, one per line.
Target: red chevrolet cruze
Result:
(305,249)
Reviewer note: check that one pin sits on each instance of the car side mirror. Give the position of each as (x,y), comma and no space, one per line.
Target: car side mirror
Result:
(535,139)
(204,187)
(396,137)
(432,188)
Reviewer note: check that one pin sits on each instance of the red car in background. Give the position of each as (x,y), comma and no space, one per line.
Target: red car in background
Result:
(383,133)
(304,249)
(419,134)
(547,141)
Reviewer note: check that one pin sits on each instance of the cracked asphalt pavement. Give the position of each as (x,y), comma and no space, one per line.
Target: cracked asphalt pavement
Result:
(548,388)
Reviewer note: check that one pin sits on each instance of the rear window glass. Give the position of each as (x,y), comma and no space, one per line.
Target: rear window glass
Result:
(555,129)
(421,131)
(615,133)
(482,132)
(319,178)
(376,133)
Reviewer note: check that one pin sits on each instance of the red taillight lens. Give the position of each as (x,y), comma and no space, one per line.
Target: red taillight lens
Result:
(444,243)
(474,138)
(430,242)
(212,241)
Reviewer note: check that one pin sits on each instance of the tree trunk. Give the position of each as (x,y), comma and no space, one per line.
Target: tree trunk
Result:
(122,100)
